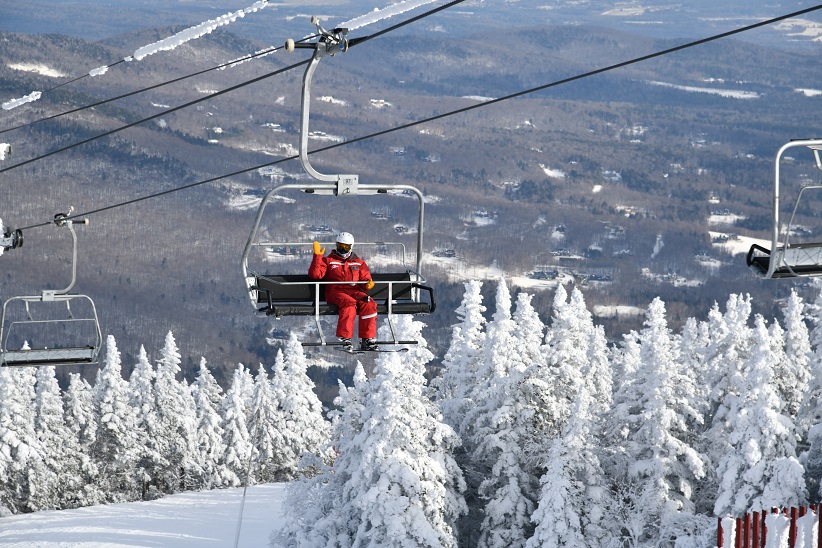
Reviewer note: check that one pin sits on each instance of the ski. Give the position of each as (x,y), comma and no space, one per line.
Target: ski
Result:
(358,351)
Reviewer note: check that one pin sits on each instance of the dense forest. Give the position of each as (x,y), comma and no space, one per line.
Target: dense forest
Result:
(532,435)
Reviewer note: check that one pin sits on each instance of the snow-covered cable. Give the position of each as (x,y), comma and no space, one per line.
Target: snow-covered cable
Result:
(14,103)
(194,32)
(166,44)
(381,14)
(256,55)
(396,128)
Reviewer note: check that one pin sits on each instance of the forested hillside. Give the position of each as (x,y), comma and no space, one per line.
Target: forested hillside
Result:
(628,184)
(533,434)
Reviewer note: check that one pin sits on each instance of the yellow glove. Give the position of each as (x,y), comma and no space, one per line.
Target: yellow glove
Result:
(317,249)
(369,284)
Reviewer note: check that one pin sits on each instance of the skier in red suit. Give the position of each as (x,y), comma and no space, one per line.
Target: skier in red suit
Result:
(342,265)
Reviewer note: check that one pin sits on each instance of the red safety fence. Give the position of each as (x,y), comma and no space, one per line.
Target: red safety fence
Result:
(750,531)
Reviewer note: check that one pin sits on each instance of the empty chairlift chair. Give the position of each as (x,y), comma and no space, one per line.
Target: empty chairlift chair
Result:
(785,259)
(53,328)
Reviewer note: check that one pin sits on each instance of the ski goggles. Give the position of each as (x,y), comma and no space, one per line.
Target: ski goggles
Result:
(343,248)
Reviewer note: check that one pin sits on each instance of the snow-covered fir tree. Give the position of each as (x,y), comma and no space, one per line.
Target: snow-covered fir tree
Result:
(500,435)
(50,426)
(394,481)
(153,458)
(566,353)
(304,431)
(574,502)
(19,446)
(730,346)
(314,503)
(656,465)
(208,399)
(264,428)
(118,443)
(176,421)
(80,475)
(462,359)
(235,428)
(761,470)
(792,376)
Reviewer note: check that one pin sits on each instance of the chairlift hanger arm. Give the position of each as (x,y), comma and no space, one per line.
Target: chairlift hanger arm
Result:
(329,43)
(64,220)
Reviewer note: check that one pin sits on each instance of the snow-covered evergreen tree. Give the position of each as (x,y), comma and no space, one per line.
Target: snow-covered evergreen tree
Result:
(304,431)
(314,503)
(394,482)
(406,489)
(574,504)
(529,332)
(730,346)
(452,390)
(264,428)
(19,446)
(176,421)
(235,428)
(761,470)
(208,399)
(810,413)
(649,422)
(462,359)
(153,458)
(80,475)
(118,443)
(47,488)
(566,353)
(793,375)
(598,377)
(494,433)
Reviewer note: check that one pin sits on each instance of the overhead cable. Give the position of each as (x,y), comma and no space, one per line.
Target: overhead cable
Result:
(352,43)
(453,112)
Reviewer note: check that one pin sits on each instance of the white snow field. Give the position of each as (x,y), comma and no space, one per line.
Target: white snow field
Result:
(186,520)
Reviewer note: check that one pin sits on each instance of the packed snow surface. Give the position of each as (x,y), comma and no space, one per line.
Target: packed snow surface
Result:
(185,520)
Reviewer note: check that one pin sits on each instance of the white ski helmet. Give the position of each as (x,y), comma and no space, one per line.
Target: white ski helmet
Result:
(345,241)
(345,238)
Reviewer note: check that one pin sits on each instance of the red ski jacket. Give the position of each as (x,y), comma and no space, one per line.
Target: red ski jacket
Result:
(333,268)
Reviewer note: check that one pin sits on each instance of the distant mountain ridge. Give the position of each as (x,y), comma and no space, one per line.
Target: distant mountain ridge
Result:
(577,182)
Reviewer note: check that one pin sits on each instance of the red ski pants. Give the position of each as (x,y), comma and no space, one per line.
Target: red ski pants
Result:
(352,304)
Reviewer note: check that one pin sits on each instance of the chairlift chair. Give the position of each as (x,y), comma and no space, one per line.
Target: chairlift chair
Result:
(53,328)
(785,259)
(280,295)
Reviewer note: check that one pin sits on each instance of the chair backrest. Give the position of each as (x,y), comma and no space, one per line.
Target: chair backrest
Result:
(400,291)
(282,288)
(299,288)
